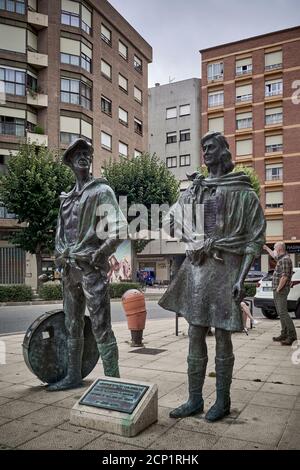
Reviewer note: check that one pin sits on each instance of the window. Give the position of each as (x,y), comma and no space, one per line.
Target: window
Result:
(273,116)
(106,141)
(137,93)
(75,53)
(13,38)
(171,137)
(171,162)
(137,153)
(31,82)
(67,138)
(123,149)
(14,6)
(14,81)
(105,69)
(216,98)
(185,110)
(123,50)
(216,124)
(123,117)
(274,200)
(244,147)
(274,172)
(69,59)
(274,228)
(137,64)
(106,34)
(243,93)
(77,15)
(215,71)
(75,92)
(123,83)
(185,135)
(138,126)
(274,143)
(244,120)
(273,87)
(70,19)
(243,66)
(106,105)
(273,60)
(185,160)
(12,126)
(73,128)
(171,113)
(86,19)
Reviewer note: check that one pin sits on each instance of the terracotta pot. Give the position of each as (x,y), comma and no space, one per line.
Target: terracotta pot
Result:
(133,302)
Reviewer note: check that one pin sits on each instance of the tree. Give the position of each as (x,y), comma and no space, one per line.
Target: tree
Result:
(144,180)
(245,169)
(31,189)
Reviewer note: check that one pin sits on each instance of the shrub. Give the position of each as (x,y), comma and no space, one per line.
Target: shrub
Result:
(38,130)
(51,291)
(116,290)
(250,290)
(15,293)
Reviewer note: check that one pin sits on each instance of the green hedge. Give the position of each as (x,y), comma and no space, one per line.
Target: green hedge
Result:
(15,293)
(51,291)
(116,290)
(250,290)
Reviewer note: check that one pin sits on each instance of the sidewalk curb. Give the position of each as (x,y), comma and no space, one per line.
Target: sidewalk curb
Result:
(55,302)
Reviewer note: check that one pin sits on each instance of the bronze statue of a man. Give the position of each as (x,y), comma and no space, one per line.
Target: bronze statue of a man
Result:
(208,287)
(83,257)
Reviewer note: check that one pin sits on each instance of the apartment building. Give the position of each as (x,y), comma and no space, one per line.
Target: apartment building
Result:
(174,135)
(251,92)
(68,69)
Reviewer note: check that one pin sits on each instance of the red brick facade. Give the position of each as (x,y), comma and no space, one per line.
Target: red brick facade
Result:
(287,41)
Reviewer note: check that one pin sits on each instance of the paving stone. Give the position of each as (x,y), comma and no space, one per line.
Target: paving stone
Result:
(59,439)
(17,408)
(274,400)
(184,440)
(144,439)
(17,432)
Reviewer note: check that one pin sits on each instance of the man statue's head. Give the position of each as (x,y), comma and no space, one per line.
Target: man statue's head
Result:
(216,151)
(78,157)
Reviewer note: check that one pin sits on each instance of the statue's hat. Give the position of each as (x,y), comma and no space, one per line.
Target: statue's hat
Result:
(78,144)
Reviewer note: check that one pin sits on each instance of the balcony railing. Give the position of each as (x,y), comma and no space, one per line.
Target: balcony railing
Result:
(5,214)
(38,139)
(38,20)
(274,119)
(37,100)
(242,98)
(273,66)
(37,60)
(274,148)
(273,92)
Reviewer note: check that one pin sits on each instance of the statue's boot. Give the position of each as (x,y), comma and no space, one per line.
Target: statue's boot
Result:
(73,378)
(196,377)
(110,356)
(221,407)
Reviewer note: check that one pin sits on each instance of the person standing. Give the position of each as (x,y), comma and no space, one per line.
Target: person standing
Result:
(281,287)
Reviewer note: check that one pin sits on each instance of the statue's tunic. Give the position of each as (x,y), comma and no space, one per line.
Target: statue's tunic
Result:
(235,226)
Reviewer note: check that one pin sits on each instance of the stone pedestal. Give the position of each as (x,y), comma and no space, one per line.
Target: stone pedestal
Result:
(118,406)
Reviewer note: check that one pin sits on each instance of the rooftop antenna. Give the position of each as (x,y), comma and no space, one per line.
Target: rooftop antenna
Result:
(171,79)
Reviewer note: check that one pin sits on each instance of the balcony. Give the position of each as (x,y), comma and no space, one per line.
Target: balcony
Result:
(38,139)
(38,60)
(38,20)
(37,100)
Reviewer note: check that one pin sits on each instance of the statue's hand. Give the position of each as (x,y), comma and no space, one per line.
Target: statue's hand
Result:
(238,291)
(97,258)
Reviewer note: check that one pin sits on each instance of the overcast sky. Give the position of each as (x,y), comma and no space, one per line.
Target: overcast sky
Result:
(177,29)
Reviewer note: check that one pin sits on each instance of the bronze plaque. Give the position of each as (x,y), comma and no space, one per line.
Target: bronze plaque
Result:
(115,396)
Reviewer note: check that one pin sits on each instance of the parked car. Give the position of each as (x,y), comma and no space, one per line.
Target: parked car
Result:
(254,276)
(264,295)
